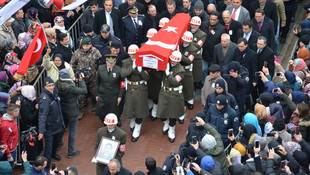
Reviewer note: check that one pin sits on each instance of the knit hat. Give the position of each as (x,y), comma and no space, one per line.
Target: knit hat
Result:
(235,156)
(190,151)
(260,111)
(305,39)
(294,166)
(47,81)
(207,163)
(208,142)
(199,5)
(221,100)
(87,28)
(273,144)
(86,40)
(250,118)
(220,83)
(301,158)
(64,74)
(233,66)
(239,147)
(279,124)
(290,76)
(215,68)
(298,96)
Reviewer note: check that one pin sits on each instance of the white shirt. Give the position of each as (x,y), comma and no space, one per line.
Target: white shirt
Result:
(135,21)
(109,21)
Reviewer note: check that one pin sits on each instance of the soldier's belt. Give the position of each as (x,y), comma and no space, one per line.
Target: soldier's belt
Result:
(189,67)
(167,89)
(135,83)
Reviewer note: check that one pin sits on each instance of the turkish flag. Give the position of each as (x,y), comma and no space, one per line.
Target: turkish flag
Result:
(33,53)
(2,2)
(155,52)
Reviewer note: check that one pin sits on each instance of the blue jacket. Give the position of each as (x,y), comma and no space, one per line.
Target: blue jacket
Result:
(103,44)
(131,34)
(224,119)
(51,121)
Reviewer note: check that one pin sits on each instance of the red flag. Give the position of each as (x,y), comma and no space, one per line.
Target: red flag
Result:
(33,53)
(2,2)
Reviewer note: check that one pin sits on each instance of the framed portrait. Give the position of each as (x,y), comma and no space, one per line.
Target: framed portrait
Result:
(107,150)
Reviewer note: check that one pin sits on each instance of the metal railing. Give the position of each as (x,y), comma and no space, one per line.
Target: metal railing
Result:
(75,30)
(39,83)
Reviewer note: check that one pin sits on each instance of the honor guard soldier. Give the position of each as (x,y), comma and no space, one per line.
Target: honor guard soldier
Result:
(163,22)
(199,37)
(134,28)
(136,106)
(171,100)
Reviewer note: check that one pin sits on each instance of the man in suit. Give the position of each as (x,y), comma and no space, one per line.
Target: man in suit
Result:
(89,14)
(124,6)
(232,26)
(265,57)
(248,33)
(171,10)
(188,5)
(238,12)
(152,18)
(115,168)
(110,16)
(224,51)
(214,30)
(265,27)
(134,28)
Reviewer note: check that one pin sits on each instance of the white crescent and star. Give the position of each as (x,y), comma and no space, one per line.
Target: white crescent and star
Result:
(171,29)
(39,45)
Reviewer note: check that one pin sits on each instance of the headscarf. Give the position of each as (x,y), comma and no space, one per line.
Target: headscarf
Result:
(23,38)
(29,92)
(266,98)
(62,66)
(300,64)
(248,130)
(297,96)
(32,12)
(7,43)
(10,58)
(250,118)
(56,26)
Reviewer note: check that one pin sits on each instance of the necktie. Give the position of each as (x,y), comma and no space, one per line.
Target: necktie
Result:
(258,51)
(136,24)
(233,14)
(109,71)
(259,26)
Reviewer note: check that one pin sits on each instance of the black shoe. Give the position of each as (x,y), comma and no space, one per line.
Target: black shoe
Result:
(190,106)
(57,157)
(171,140)
(153,118)
(60,145)
(93,108)
(181,121)
(131,129)
(76,153)
(119,122)
(134,139)
(165,132)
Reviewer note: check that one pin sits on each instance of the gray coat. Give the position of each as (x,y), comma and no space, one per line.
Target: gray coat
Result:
(87,17)
(218,56)
(243,15)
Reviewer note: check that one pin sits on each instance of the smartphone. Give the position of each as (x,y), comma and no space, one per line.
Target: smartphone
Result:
(270,134)
(185,162)
(283,164)
(194,139)
(278,74)
(257,74)
(275,90)
(230,132)
(53,165)
(265,63)
(193,120)
(256,144)
(297,130)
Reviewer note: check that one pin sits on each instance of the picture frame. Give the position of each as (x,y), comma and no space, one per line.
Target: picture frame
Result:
(107,150)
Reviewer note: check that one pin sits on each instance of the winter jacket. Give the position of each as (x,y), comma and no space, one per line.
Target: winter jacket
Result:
(7,32)
(248,166)
(52,70)
(66,52)
(211,100)
(9,134)
(269,167)
(304,126)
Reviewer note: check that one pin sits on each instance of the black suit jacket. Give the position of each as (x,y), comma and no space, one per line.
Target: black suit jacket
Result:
(100,19)
(124,6)
(234,27)
(252,40)
(152,21)
(267,31)
(122,171)
(265,55)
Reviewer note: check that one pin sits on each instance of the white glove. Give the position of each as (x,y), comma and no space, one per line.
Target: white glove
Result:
(134,64)
(168,69)
(139,68)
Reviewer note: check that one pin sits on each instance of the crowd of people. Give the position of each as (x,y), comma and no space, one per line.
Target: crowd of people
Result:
(255,117)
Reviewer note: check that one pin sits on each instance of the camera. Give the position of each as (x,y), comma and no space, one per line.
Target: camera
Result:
(270,134)
(278,74)
(85,70)
(193,120)
(275,90)
(29,136)
(172,154)
(57,172)
(194,139)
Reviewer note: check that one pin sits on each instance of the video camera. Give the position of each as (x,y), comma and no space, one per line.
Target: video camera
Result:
(29,136)
(85,70)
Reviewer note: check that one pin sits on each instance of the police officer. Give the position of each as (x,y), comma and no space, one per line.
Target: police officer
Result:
(199,37)
(171,99)
(113,132)
(134,28)
(136,106)
(109,88)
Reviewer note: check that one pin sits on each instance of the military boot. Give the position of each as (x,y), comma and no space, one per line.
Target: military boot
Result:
(171,134)
(154,112)
(166,126)
(132,124)
(136,132)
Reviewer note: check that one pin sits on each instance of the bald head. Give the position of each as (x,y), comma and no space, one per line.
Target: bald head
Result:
(211,8)
(226,16)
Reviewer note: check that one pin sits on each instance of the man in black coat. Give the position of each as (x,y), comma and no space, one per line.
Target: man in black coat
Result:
(214,30)
(248,33)
(124,6)
(171,10)
(89,14)
(265,27)
(152,18)
(110,16)
(232,26)
(18,24)
(63,47)
(265,56)
(115,168)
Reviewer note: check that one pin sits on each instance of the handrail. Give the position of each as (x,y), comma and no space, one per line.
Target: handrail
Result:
(38,84)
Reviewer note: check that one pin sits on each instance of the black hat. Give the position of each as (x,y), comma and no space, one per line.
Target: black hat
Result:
(111,58)
(115,44)
(220,83)
(279,124)
(88,28)
(233,66)
(214,68)
(150,163)
(48,80)
(221,100)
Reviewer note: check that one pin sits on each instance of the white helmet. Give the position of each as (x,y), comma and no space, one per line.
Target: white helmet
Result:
(176,56)
(187,36)
(151,32)
(110,119)
(132,49)
(196,21)
(163,22)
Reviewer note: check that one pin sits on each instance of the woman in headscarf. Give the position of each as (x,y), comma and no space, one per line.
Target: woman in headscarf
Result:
(26,37)
(53,67)
(301,118)
(7,45)
(250,118)
(10,60)
(31,16)
(59,24)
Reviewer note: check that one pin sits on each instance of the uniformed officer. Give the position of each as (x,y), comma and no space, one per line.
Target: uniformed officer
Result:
(136,106)
(199,37)
(171,99)
(134,28)
(109,88)
(189,52)
(113,132)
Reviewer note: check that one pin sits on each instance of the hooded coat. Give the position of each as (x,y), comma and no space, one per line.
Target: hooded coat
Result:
(52,70)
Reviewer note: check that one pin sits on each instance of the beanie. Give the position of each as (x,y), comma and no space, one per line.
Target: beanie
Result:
(290,76)
(238,146)
(298,96)
(220,83)
(64,74)
(199,5)
(279,124)
(233,66)
(87,28)
(47,81)
(86,40)
(208,142)
(221,100)
(305,39)
(235,156)
(190,151)
(207,163)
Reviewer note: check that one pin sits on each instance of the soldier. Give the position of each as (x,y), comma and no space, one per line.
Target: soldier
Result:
(136,106)
(199,37)
(109,88)
(171,99)
(163,21)
(86,56)
(134,28)
(189,52)
(113,132)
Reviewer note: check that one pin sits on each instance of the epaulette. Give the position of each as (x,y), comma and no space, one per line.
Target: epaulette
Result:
(140,14)
(125,16)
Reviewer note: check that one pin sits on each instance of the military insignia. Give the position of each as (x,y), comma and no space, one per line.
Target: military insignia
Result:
(140,23)
(230,32)
(186,53)
(236,119)
(105,27)
(225,115)
(225,122)
(113,138)
(212,32)
(114,75)
(247,78)
(195,39)
(44,97)
(200,43)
